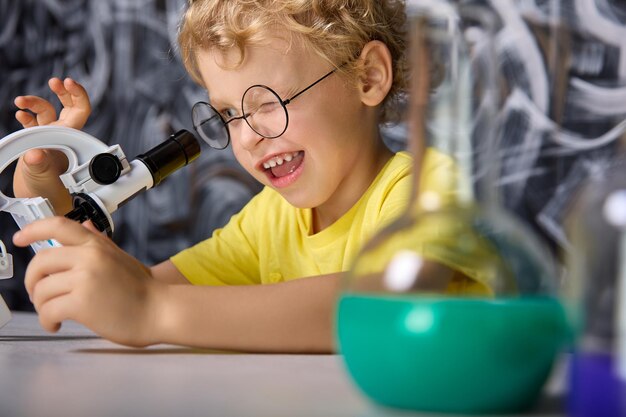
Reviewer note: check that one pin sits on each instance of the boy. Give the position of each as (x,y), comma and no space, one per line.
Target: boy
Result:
(300,88)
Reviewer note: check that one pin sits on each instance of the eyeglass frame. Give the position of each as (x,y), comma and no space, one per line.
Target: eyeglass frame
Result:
(282,102)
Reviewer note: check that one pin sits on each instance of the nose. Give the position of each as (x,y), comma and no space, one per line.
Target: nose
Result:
(248,137)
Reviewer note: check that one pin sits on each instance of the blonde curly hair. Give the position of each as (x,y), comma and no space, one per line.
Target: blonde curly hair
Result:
(336,30)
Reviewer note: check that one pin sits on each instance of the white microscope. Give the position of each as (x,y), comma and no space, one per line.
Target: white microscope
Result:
(99,178)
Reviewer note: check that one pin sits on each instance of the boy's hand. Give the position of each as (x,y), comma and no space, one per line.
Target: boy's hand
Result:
(37,172)
(73,97)
(89,280)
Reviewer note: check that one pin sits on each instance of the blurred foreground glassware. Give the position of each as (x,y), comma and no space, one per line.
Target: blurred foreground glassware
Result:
(597,288)
(584,46)
(597,264)
(453,307)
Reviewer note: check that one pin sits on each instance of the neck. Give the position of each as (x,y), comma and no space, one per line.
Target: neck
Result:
(367,167)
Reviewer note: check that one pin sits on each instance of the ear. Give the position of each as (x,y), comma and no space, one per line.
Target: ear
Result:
(377,77)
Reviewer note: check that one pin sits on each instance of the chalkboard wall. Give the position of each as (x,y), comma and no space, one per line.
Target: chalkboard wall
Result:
(562,65)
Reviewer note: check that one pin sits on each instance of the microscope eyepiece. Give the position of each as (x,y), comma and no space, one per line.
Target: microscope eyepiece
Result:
(177,151)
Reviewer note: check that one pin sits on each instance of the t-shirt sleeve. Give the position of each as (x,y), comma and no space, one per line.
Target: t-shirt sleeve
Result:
(228,257)
(395,201)
(439,182)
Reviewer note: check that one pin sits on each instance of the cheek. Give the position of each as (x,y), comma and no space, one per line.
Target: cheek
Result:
(327,119)
(342,110)
(243,158)
(338,127)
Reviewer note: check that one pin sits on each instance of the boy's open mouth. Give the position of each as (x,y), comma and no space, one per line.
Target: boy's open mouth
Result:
(284,164)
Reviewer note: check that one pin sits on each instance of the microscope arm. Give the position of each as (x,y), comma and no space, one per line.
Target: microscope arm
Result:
(78,147)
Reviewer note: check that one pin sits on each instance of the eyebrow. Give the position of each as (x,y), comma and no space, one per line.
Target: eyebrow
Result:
(217,103)
(283,92)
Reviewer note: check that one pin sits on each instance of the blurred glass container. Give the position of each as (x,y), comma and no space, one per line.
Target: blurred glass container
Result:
(585,46)
(597,262)
(453,307)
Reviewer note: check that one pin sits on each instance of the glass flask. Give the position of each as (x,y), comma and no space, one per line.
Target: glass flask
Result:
(585,123)
(454,306)
(597,264)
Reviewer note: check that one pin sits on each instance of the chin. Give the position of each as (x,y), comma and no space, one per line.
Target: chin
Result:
(299,201)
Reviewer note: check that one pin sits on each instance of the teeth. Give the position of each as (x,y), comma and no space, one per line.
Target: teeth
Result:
(279,160)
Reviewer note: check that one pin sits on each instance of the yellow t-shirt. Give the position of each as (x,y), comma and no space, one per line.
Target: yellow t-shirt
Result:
(269,240)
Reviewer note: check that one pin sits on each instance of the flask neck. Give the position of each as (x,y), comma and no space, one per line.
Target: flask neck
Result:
(439,120)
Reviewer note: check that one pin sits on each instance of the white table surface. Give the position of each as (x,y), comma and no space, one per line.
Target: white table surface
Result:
(74,373)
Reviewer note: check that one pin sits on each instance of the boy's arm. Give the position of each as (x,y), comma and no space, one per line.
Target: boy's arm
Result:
(167,273)
(295,316)
(92,281)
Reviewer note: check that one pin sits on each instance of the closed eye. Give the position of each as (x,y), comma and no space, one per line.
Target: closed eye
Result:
(268,107)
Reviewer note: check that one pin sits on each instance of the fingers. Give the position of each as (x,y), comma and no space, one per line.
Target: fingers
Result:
(47,263)
(73,97)
(51,287)
(45,161)
(37,174)
(90,226)
(36,160)
(26,119)
(43,109)
(65,231)
(54,311)
(79,96)
(49,282)
(75,100)
(58,87)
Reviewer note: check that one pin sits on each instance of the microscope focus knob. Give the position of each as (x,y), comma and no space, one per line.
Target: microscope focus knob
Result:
(105,168)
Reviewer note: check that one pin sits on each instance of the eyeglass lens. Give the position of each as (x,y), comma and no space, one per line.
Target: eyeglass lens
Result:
(264,111)
(209,125)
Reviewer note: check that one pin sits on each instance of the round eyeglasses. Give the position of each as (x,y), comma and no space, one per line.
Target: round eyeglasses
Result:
(261,107)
